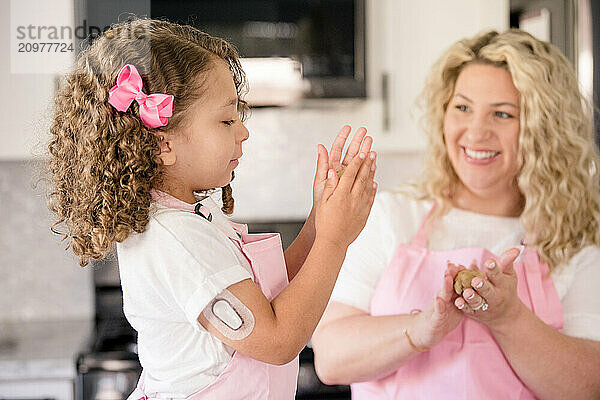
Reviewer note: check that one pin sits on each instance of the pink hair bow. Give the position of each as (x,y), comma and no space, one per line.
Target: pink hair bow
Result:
(155,109)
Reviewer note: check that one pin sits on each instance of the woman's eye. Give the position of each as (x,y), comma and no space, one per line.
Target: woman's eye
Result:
(503,115)
(229,123)
(462,107)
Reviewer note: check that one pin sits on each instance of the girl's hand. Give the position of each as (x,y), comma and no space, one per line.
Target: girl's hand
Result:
(431,325)
(346,202)
(334,159)
(498,290)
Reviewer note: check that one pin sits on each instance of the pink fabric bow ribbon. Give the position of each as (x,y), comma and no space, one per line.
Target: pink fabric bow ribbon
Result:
(155,109)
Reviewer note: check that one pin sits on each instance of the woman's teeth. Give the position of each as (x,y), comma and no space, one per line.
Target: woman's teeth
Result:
(480,155)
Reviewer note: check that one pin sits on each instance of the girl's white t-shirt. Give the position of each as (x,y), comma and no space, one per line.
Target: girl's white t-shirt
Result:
(169,274)
(395,219)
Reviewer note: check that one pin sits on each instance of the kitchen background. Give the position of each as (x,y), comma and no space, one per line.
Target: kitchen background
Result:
(58,335)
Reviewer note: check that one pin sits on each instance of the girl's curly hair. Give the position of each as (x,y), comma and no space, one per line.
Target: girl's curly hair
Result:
(558,157)
(103,163)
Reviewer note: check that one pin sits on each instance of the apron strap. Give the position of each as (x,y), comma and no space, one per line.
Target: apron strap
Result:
(420,239)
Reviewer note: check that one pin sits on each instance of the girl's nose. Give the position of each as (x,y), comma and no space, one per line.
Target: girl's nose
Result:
(243,133)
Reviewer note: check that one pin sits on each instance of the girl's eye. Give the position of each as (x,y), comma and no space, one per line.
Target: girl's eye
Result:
(462,107)
(503,115)
(229,123)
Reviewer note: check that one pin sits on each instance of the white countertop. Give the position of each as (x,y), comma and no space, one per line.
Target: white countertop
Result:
(41,350)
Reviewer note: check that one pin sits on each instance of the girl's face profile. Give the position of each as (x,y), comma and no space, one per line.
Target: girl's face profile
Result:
(206,153)
(481,130)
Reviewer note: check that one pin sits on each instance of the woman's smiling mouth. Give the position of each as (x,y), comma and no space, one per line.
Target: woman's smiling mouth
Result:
(479,157)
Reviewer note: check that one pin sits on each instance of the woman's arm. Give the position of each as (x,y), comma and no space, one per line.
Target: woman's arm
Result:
(551,364)
(353,346)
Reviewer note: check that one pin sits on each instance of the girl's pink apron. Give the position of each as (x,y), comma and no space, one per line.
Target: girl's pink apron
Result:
(244,377)
(468,363)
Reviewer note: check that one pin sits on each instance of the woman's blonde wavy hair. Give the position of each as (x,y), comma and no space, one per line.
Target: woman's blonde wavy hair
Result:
(558,157)
(103,163)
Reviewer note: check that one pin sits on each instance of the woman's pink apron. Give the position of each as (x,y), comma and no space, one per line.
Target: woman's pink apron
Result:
(244,377)
(468,364)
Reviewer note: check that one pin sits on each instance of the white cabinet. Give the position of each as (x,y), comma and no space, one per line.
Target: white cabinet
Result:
(404,39)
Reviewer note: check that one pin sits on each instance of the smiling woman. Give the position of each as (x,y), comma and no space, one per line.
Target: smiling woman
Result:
(481,131)
(556,153)
(510,189)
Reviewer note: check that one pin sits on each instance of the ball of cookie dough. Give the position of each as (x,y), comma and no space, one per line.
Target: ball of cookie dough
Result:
(463,279)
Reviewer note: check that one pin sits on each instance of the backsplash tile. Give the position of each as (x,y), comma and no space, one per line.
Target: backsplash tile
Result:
(275,176)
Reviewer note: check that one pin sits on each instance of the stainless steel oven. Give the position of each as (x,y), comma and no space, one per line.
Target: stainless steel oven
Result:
(109,369)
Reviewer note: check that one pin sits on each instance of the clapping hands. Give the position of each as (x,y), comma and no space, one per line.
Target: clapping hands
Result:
(333,160)
(343,189)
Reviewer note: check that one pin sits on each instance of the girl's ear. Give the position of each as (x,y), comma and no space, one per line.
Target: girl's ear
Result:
(167,155)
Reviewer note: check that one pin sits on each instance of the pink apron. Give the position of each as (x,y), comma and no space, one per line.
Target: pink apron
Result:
(244,377)
(468,364)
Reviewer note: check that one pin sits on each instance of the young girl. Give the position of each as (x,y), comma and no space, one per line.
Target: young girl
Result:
(148,124)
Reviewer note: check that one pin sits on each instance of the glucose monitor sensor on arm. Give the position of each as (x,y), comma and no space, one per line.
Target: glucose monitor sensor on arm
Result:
(229,316)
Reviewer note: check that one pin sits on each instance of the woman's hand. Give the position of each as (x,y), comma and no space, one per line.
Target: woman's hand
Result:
(334,161)
(498,290)
(431,325)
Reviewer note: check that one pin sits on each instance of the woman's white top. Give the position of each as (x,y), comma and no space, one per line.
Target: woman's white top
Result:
(395,218)
(169,273)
